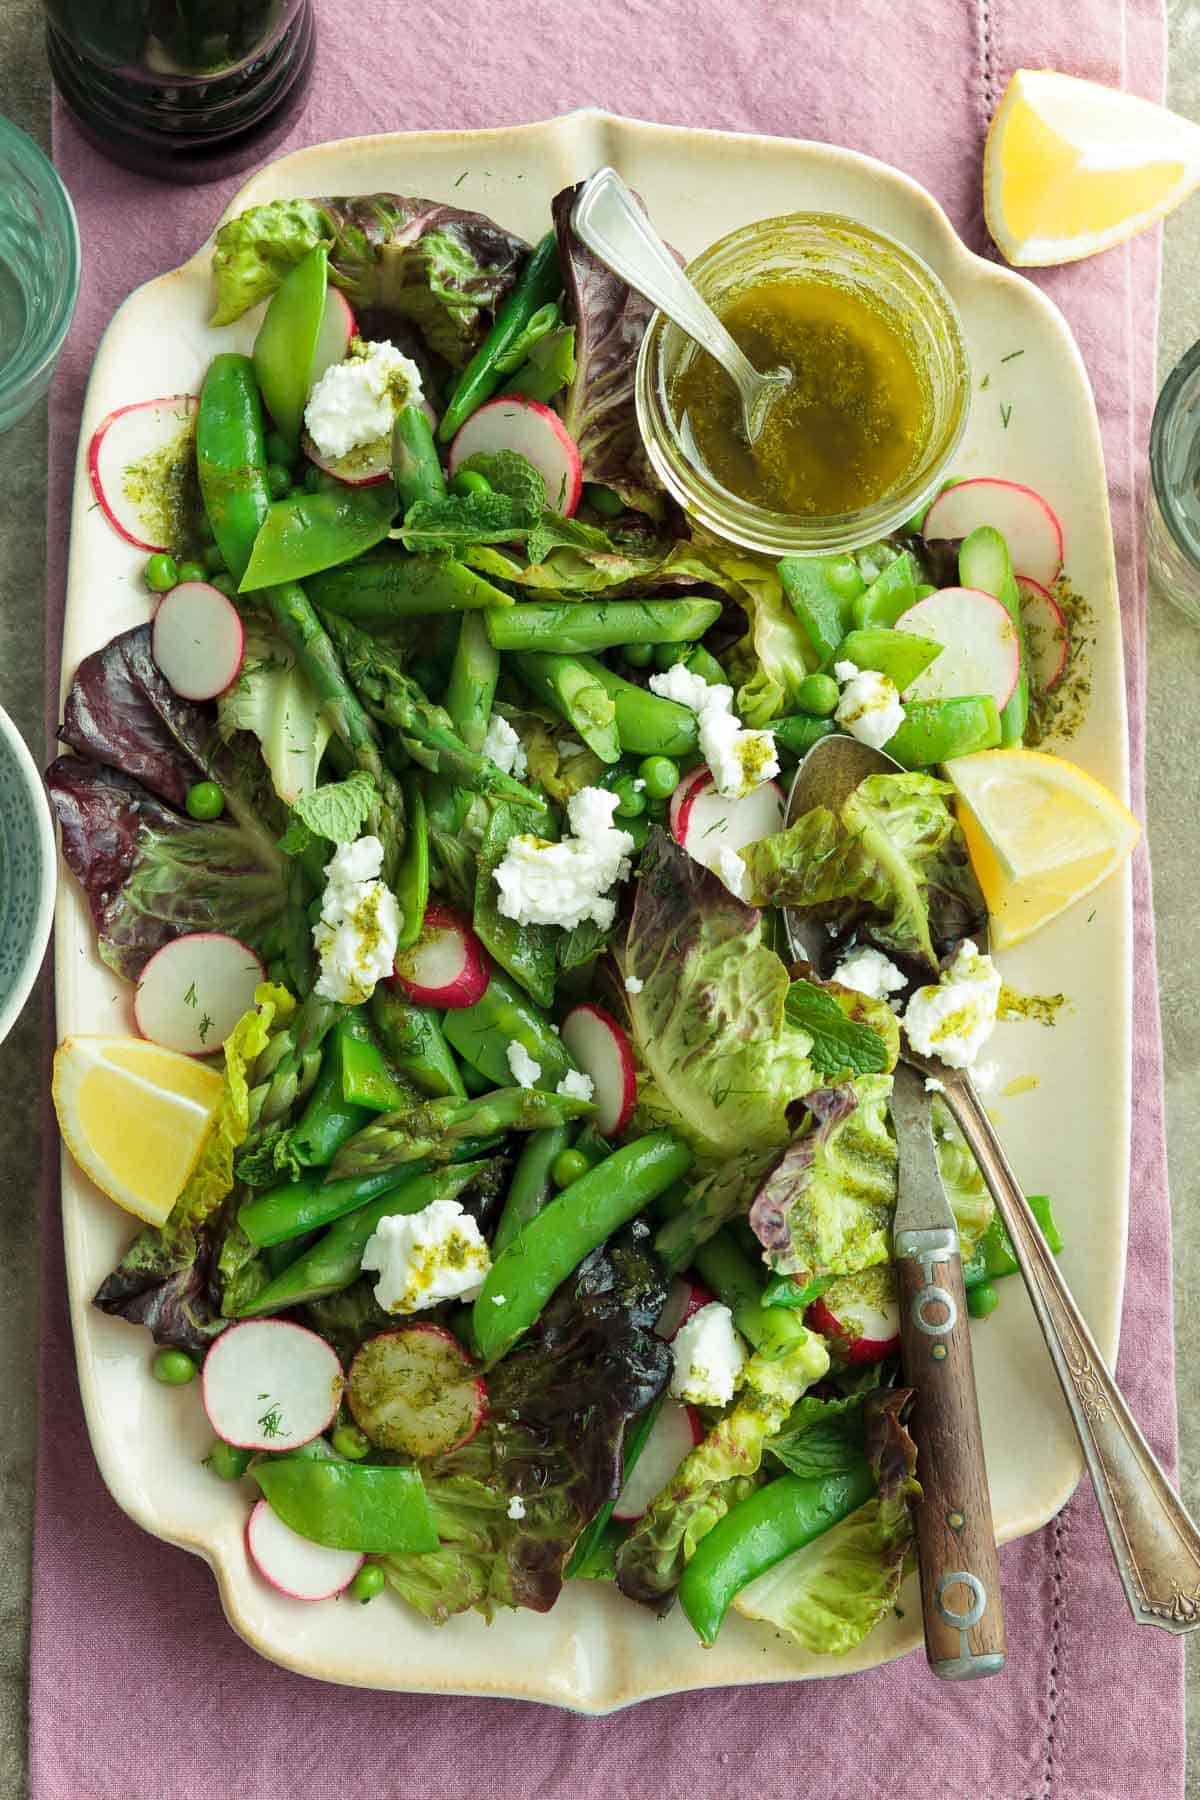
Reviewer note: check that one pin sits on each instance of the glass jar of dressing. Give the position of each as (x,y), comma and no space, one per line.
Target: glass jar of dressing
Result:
(876,407)
(1173,502)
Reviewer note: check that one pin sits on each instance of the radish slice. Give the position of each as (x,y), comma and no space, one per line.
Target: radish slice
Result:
(981,652)
(685,1296)
(681,800)
(712,825)
(367,466)
(194,990)
(198,641)
(860,1314)
(294,1564)
(1047,639)
(416,1390)
(447,966)
(155,436)
(601,1049)
(338,328)
(270,1385)
(675,1431)
(1026,522)
(534,432)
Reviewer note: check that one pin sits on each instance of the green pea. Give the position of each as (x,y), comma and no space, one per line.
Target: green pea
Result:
(204,800)
(603,500)
(224,583)
(226,1460)
(631,801)
(842,574)
(369,1581)
(279,450)
(161,572)
(350,1442)
(666,655)
(567,1167)
(470,481)
(312,478)
(212,559)
(279,479)
(192,571)
(174,1368)
(818,694)
(638,656)
(661,776)
(982,1299)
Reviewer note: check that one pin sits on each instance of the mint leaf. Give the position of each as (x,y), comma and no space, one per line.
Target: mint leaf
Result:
(824,1438)
(553,532)
(511,474)
(463,519)
(338,811)
(840,1046)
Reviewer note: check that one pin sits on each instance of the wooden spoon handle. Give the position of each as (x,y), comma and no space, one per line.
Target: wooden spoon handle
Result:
(960,1572)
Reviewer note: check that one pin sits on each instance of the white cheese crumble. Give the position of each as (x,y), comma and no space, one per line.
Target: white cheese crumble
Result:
(733,873)
(563,884)
(516,1507)
(422,1258)
(708,1357)
(739,760)
(356,934)
(633,985)
(505,748)
(525,1071)
(933,1085)
(869,708)
(868,971)
(956,1018)
(575,1085)
(355,401)
(499,1299)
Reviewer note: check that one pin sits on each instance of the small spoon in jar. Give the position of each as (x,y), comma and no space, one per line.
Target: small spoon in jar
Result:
(614,227)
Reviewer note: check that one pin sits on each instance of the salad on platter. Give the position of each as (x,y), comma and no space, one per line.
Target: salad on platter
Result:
(520,1212)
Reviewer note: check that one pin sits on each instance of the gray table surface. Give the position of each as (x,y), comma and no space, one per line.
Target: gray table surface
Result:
(1174,697)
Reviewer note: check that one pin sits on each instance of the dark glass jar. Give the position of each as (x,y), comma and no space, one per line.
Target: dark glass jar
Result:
(189,90)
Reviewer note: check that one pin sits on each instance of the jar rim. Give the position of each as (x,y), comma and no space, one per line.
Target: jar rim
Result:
(1173,389)
(36,357)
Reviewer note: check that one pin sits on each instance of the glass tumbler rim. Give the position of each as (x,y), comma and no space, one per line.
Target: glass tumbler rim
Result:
(37,357)
(1185,373)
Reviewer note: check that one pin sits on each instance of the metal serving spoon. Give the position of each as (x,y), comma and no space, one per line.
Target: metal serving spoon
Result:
(613,226)
(1155,1544)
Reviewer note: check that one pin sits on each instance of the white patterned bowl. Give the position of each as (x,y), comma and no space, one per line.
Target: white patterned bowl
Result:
(27,865)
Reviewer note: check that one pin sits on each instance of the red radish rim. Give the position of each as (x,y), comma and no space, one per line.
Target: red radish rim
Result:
(184,594)
(290,1593)
(93,461)
(680,805)
(696,1295)
(998,481)
(332,465)
(923,630)
(188,937)
(539,410)
(624,1052)
(1043,597)
(475,972)
(472,1374)
(336,1389)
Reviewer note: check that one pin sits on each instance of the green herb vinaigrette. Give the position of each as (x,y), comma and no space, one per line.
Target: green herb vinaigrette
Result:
(853,422)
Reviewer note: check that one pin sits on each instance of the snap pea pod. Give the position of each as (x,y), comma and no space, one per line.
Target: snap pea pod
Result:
(306,533)
(334,1260)
(900,655)
(800,731)
(231,459)
(330,1119)
(380,589)
(540,281)
(413,1042)
(570,626)
(984,562)
(773,1330)
(760,1531)
(348,1505)
(523,1277)
(366,1079)
(636,1433)
(646,724)
(891,593)
(287,341)
(782,1290)
(298,1206)
(822,607)
(993,1255)
(482,1033)
(416,467)
(576,694)
(704,664)
(411,883)
(935,730)
(531,1187)
(474,673)
(549,367)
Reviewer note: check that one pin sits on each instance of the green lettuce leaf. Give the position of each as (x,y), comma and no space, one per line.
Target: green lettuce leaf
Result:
(720,1063)
(766,666)
(966,1190)
(274,699)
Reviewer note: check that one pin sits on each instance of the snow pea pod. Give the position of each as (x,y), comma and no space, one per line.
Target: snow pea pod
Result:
(330,1119)
(993,1255)
(572,688)
(287,342)
(891,593)
(900,655)
(935,730)
(366,1080)
(800,731)
(231,458)
(379,589)
(482,1033)
(822,607)
(416,469)
(647,724)
(540,281)
(760,1531)
(306,533)
(348,1505)
(531,1186)
(413,1042)
(570,626)
(523,1277)
(773,1330)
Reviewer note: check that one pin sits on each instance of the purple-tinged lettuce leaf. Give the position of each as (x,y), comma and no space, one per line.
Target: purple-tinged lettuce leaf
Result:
(444,269)
(598,409)
(558,1408)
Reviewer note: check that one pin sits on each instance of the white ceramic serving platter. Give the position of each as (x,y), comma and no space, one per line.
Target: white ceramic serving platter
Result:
(1067,1136)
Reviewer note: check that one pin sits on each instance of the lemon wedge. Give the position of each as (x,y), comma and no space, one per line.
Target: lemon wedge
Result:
(1071,167)
(1041,834)
(134,1116)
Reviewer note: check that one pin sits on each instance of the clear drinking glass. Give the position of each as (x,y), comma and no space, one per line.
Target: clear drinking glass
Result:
(1173,502)
(39,271)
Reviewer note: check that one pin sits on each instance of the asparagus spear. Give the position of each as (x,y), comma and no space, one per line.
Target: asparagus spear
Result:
(428,1130)
(570,626)
(288,1067)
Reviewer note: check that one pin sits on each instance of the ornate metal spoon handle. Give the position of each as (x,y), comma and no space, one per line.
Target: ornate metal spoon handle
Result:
(1155,1543)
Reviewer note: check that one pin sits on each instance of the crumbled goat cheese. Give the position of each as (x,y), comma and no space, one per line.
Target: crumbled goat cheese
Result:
(425,1257)
(516,1507)
(563,884)
(505,748)
(356,934)
(525,1071)
(869,708)
(708,1357)
(933,1085)
(733,873)
(955,1019)
(576,1085)
(868,971)
(739,760)
(633,985)
(355,401)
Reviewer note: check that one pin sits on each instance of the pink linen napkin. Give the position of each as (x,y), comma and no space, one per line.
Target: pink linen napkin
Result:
(139,1690)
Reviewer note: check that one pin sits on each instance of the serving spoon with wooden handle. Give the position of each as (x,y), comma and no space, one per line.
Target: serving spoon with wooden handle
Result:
(1155,1544)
